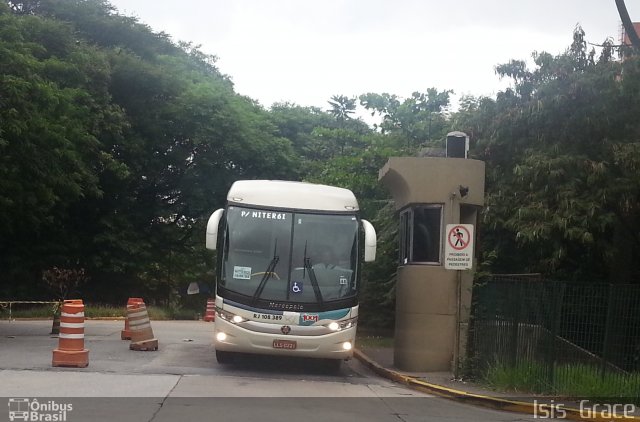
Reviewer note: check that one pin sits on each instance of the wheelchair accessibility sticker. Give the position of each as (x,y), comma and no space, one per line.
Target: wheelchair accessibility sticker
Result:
(296,287)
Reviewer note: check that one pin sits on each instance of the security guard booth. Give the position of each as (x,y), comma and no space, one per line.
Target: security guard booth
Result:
(432,302)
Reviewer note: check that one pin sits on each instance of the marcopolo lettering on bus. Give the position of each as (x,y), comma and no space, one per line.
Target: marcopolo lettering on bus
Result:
(266,215)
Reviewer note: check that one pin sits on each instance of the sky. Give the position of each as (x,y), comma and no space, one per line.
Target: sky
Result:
(306,51)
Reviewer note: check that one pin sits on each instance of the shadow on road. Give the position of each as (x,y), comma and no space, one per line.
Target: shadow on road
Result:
(285,365)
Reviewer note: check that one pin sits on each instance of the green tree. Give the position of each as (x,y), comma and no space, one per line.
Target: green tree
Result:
(115,146)
(297,124)
(414,121)
(561,198)
(342,108)
(54,110)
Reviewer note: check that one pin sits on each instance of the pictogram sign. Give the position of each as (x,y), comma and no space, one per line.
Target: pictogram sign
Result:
(458,249)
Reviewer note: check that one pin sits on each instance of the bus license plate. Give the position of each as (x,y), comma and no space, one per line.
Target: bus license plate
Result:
(285,344)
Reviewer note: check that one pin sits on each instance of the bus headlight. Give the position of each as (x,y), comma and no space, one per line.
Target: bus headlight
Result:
(342,325)
(228,316)
(347,345)
(220,336)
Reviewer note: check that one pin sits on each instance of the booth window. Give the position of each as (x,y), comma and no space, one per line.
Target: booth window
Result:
(420,228)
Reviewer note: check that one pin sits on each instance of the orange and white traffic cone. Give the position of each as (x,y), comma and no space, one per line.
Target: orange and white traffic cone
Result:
(71,351)
(210,313)
(126,333)
(140,326)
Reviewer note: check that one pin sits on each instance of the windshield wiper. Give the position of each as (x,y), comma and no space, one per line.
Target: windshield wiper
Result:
(267,274)
(312,276)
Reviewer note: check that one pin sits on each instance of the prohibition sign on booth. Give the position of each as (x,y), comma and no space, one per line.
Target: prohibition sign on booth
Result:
(458,250)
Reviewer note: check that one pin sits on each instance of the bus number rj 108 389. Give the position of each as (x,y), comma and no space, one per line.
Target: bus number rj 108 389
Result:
(268,317)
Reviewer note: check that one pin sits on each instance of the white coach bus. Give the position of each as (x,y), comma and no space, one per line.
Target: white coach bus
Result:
(288,269)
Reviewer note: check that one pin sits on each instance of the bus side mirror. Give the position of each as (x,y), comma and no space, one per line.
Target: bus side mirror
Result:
(212,229)
(370,240)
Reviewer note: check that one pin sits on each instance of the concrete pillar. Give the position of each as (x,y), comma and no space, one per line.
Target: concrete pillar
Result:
(433,303)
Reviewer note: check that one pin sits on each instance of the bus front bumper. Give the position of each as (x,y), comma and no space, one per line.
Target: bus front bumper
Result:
(336,345)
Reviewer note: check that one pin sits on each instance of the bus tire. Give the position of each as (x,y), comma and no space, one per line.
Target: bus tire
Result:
(224,357)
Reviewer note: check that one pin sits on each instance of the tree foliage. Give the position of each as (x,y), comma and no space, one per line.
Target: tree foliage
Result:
(559,146)
(116,144)
(415,120)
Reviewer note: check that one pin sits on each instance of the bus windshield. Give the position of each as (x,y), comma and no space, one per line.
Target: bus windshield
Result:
(289,256)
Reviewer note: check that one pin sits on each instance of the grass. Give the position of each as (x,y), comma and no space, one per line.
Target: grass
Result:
(569,380)
(523,377)
(588,381)
(97,311)
(17,311)
(373,339)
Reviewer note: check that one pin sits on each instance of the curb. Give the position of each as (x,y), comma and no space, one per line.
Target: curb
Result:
(482,400)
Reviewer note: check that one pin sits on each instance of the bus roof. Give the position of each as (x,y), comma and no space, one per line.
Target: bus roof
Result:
(293,195)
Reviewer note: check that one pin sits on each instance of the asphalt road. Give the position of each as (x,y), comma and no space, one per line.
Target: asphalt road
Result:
(182,381)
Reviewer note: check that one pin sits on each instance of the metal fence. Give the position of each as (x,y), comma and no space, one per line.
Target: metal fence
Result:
(563,338)
(7,307)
